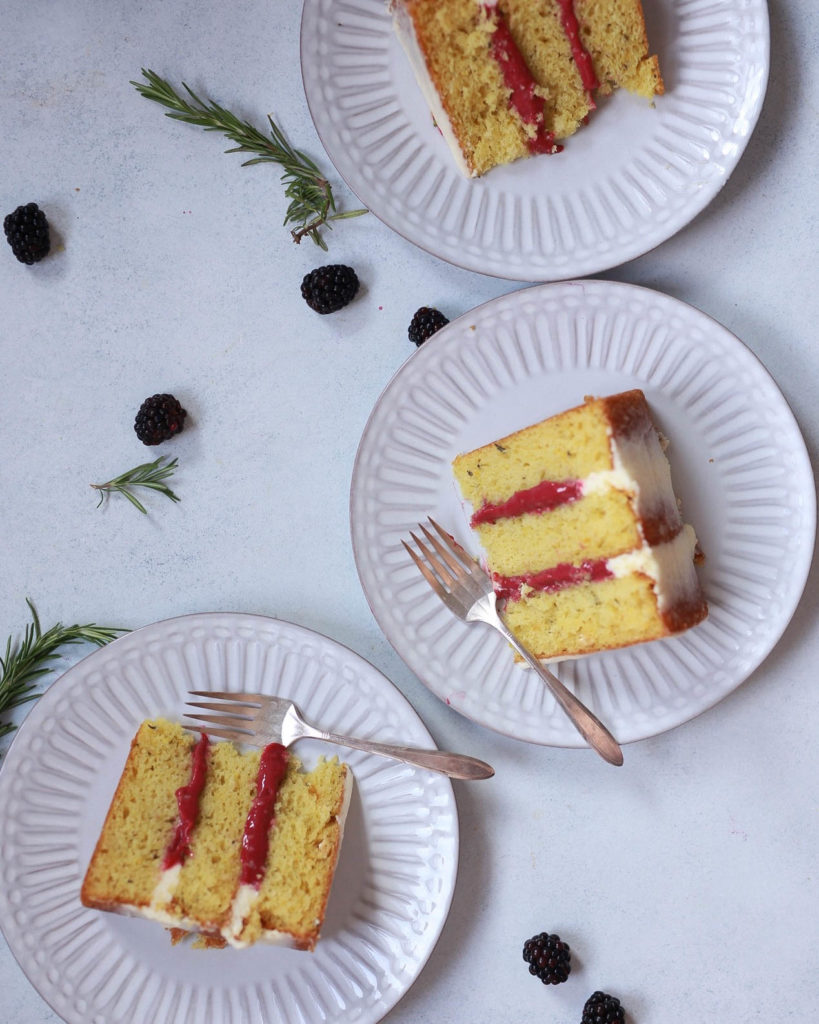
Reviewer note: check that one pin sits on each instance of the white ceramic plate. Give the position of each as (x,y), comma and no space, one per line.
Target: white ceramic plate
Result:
(626,182)
(738,461)
(395,876)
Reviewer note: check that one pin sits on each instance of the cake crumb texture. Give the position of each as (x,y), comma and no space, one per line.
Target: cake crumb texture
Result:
(453,41)
(611,562)
(303,849)
(127,874)
(141,819)
(454,38)
(587,617)
(208,877)
(573,445)
(614,33)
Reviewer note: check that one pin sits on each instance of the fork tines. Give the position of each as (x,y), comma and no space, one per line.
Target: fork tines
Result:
(245,698)
(231,723)
(446,573)
(456,577)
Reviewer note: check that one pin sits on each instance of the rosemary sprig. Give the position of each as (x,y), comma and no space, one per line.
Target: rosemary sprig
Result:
(312,204)
(149,474)
(26,661)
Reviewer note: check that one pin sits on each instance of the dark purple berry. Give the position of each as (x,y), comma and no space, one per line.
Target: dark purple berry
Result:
(425,323)
(158,419)
(549,958)
(327,289)
(601,1008)
(27,232)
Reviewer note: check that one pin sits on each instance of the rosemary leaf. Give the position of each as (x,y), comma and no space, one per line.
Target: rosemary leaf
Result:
(312,204)
(25,661)
(149,474)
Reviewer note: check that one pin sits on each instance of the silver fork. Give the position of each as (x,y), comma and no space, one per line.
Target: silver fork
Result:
(466,589)
(258,719)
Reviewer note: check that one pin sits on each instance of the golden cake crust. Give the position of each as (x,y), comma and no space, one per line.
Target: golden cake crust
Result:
(452,38)
(113,845)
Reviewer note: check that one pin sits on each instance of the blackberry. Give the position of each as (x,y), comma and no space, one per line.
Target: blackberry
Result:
(603,1009)
(27,233)
(425,323)
(548,957)
(158,419)
(327,289)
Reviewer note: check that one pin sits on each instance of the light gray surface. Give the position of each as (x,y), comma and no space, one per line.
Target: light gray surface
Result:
(685,882)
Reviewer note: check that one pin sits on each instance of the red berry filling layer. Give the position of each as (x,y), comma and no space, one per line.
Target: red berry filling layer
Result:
(508,588)
(543,497)
(187,800)
(260,817)
(518,78)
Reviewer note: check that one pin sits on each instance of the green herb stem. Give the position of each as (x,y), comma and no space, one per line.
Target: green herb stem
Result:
(150,474)
(27,660)
(312,205)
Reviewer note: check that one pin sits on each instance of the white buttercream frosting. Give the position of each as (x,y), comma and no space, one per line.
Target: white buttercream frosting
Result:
(243,902)
(642,471)
(165,887)
(608,479)
(670,566)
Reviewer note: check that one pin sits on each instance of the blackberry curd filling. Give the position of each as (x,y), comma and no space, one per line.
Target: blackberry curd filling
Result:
(580,55)
(187,800)
(508,588)
(543,497)
(260,817)
(517,77)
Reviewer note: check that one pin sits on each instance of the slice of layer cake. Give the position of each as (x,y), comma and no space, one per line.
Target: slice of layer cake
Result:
(505,78)
(240,847)
(582,531)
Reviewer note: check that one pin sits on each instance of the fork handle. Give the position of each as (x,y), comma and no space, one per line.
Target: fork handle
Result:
(456,766)
(588,725)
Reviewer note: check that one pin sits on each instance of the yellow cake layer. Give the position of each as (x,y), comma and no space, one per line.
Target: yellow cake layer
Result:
(627,519)
(537,29)
(207,882)
(568,446)
(614,34)
(141,819)
(587,617)
(454,38)
(597,526)
(126,872)
(303,849)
